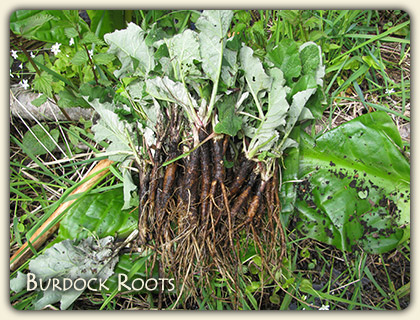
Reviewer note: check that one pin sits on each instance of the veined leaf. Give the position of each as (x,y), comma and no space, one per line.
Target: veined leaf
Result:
(168,90)
(45,25)
(255,76)
(101,214)
(298,103)
(183,50)
(131,49)
(285,56)
(103,58)
(110,127)
(213,26)
(229,67)
(311,59)
(229,123)
(266,134)
(128,187)
(38,141)
(80,58)
(356,186)
(43,82)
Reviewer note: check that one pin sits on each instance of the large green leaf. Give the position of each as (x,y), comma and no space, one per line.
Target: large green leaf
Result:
(355,189)
(45,25)
(106,21)
(100,214)
(131,49)
(184,50)
(111,127)
(213,26)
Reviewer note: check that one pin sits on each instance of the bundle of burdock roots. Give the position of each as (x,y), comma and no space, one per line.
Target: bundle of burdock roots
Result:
(206,122)
(198,213)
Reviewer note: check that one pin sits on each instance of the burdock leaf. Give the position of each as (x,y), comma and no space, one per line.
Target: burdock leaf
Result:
(229,67)
(110,127)
(183,50)
(213,26)
(311,59)
(255,75)
(92,258)
(168,90)
(131,49)
(266,134)
(19,283)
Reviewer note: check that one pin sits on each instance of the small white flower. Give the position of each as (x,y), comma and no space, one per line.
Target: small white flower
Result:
(324,307)
(32,54)
(90,53)
(21,66)
(56,48)
(24,83)
(11,75)
(389,92)
(14,54)
(71,42)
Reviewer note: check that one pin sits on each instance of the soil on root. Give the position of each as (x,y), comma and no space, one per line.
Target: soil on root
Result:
(190,225)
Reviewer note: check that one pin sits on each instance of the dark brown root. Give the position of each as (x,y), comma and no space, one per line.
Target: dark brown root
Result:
(253,208)
(202,226)
(205,174)
(242,175)
(244,196)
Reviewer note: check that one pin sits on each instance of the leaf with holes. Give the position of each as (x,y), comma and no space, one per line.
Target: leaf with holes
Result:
(355,189)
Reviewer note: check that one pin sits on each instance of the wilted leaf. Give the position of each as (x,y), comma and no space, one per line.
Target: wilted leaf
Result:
(92,258)
(229,67)
(166,89)
(266,134)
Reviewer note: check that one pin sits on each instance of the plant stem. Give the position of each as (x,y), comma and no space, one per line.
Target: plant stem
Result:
(91,64)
